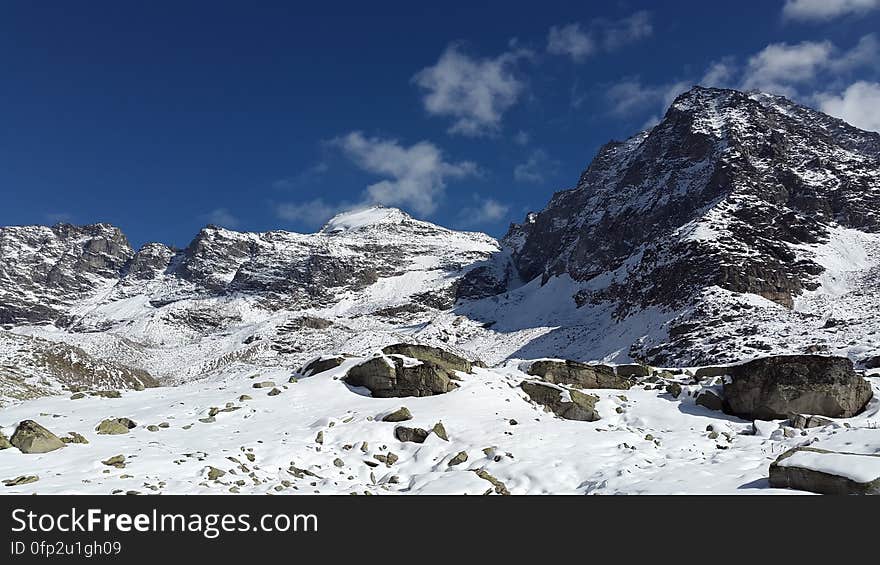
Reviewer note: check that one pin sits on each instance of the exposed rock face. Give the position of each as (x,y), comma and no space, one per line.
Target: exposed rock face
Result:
(580,406)
(44,270)
(434,355)
(395,375)
(782,387)
(31,437)
(724,193)
(826,472)
(579,375)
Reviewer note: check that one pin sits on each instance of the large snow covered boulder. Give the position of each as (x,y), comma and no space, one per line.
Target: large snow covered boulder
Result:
(579,375)
(826,472)
(565,403)
(31,437)
(434,355)
(396,375)
(780,387)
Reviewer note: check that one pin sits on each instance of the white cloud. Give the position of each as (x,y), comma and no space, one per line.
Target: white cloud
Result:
(578,43)
(866,53)
(416,175)
(782,68)
(221,217)
(720,74)
(570,40)
(536,169)
(484,211)
(823,10)
(309,213)
(474,92)
(859,105)
(628,30)
(631,95)
(779,66)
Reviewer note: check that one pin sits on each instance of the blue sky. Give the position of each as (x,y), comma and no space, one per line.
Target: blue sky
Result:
(161,117)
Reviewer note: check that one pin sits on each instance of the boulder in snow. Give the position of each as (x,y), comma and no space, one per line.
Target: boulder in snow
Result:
(780,387)
(565,403)
(397,376)
(826,472)
(31,437)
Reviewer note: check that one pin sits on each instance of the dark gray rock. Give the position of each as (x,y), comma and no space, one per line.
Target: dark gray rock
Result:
(872,362)
(320,365)
(414,435)
(633,370)
(582,406)
(781,387)
(709,399)
(712,371)
(579,375)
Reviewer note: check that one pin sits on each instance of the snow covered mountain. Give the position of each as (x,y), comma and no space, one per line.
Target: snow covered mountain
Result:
(275,298)
(741,226)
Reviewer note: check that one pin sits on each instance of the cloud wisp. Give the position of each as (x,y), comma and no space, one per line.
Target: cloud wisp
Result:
(825,10)
(475,92)
(414,177)
(580,42)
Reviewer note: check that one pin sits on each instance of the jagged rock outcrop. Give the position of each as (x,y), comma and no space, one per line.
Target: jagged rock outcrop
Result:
(45,270)
(782,387)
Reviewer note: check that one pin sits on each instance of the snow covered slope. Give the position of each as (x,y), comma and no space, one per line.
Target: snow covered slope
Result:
(647,442)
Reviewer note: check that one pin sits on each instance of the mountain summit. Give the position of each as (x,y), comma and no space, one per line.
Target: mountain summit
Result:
(732,194)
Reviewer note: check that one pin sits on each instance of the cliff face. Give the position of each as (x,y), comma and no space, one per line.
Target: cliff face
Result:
(716,194)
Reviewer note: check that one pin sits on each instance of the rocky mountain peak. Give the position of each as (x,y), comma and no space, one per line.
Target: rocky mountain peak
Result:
(365,218)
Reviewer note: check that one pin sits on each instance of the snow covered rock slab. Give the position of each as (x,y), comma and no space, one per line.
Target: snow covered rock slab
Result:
(579,375)
(826,472)
(774,388)
(435,355)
